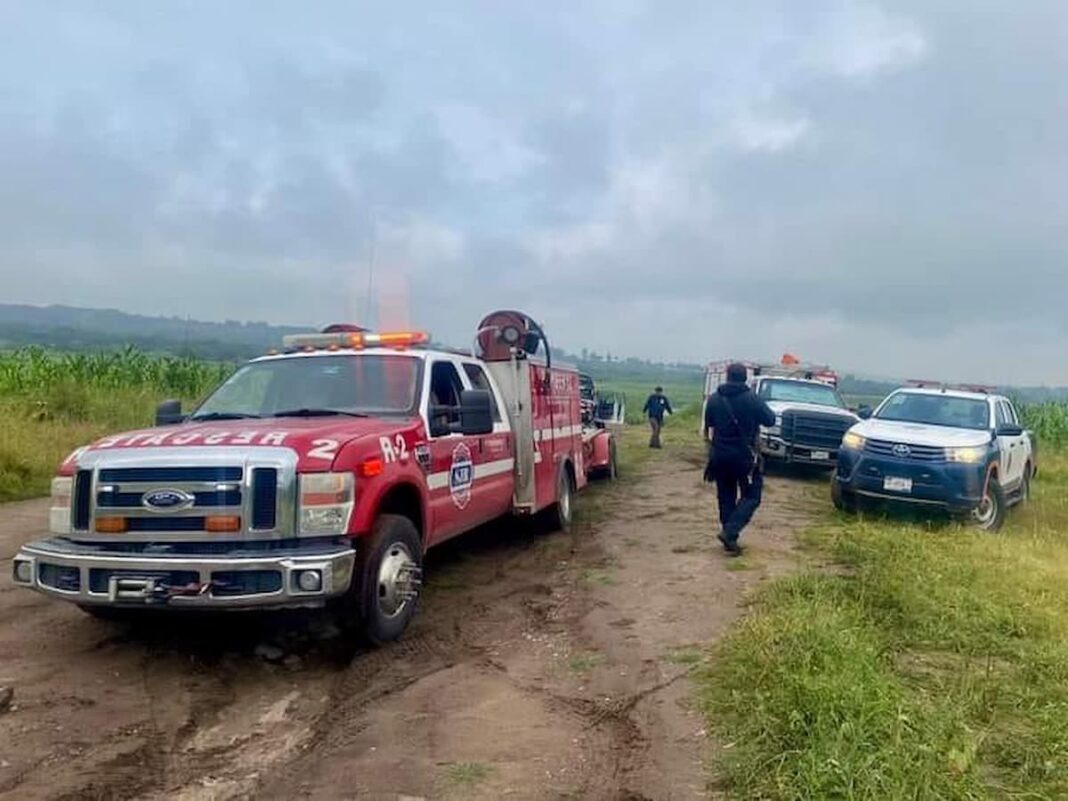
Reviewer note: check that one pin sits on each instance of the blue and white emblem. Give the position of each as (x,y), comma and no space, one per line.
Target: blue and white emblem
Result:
(167,500)
(461,476)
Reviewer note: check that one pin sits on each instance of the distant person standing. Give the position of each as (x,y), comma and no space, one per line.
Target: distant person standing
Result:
(655,407)
(734,414)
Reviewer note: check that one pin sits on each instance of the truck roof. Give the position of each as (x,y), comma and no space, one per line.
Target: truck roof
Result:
(421,353)
(948,392)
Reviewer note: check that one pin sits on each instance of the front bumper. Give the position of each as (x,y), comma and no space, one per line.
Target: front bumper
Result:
(188,578)
(774,447)
(949,485)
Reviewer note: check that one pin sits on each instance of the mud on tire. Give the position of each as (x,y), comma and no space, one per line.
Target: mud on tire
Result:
(558,516)
(990,514)
(386,582)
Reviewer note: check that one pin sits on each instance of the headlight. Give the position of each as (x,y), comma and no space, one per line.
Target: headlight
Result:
(326,501)
(59,509)
(966,455)
(853,442)
(776,429)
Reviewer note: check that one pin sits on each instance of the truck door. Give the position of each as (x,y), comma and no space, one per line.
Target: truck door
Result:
(457,498)
(1013,451)
(495,457)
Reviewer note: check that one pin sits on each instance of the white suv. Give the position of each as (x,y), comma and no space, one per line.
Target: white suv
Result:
(966,452)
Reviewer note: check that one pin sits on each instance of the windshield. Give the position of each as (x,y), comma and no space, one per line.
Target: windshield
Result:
(343,384)
(936,410)
(800,392)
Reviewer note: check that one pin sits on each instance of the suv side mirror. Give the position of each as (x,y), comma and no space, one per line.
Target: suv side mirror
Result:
(864,412)
(169,413)
(1010,430)
(476,412)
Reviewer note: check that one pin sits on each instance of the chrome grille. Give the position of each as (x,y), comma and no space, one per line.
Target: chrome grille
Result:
(256,485)
(919,453)
(813,430)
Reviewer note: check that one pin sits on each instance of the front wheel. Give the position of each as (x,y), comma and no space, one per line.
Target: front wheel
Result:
(388,579)
(989,515)
(843,500)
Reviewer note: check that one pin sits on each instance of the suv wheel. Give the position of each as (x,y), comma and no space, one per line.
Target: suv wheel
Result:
(990,513)
(843,500)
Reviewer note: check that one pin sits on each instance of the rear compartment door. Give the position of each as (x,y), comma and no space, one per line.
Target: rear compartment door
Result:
(495,456)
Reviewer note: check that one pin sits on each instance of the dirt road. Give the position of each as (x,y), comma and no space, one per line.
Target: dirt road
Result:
(540,668)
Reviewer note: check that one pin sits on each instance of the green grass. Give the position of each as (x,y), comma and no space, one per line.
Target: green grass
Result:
(467,774)
(584,663)
(932,664)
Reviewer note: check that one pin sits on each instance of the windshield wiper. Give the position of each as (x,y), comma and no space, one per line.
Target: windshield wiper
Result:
(317,413)
(223,416)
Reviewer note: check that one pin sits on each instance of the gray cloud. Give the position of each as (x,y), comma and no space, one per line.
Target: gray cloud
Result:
(877,186)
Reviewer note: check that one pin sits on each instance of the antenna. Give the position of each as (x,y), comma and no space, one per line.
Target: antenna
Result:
(371,268)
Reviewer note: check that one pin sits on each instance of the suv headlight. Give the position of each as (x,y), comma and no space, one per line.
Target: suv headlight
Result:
(776,429)
(853,442)
(326,501)
(59,509)
(966,455)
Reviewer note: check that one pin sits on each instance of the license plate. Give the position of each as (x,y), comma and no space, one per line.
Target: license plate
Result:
(820,456)
(891,484)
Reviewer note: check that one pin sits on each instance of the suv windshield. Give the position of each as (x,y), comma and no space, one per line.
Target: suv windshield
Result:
(936,410)
(311,385)
(800,392)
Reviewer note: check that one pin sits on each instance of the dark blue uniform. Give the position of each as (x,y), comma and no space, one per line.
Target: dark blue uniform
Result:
(655,407)
(735,415)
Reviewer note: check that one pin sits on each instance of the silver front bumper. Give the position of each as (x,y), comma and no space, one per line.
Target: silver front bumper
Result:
(88,575)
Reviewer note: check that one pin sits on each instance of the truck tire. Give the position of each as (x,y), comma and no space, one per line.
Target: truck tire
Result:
(610,472)
(559,515)
(1025,487)
(843,500)
(387,581)
(990,514)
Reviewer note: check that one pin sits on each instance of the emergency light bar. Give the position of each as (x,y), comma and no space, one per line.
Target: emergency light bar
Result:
(915,383)
(355,339)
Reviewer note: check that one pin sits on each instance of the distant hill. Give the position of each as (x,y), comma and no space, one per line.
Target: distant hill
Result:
(71,328)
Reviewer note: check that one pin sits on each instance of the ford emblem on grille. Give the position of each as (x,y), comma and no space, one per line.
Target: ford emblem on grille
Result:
(902,450)
(167,500)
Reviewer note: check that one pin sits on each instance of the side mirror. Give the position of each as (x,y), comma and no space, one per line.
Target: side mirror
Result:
(476,412)
(864,412)
(1010,431)
(169,413)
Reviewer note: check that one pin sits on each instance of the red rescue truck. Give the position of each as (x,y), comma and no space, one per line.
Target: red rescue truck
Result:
(319,475)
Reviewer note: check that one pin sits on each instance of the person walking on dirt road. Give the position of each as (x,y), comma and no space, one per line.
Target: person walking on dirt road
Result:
(734,414)
(655,407)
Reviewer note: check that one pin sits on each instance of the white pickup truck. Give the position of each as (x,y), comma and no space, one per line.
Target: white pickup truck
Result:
(810,420)
(963,451)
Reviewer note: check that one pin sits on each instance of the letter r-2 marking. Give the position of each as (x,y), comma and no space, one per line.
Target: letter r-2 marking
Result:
(393,450)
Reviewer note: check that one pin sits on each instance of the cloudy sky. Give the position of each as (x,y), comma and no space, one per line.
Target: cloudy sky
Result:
(880,186)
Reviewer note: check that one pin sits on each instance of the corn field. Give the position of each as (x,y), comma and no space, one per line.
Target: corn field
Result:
(1049,421)
(35,370)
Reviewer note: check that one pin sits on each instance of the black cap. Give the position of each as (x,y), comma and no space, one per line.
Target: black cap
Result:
(658,389)
(737,374)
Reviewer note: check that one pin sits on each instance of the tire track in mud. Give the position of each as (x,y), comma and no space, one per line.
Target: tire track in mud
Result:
(540,660)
